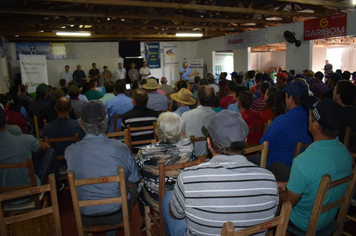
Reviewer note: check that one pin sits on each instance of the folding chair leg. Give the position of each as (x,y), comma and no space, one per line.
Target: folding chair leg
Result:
(148,221)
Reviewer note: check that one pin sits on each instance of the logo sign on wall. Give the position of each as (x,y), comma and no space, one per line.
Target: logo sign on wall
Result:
(247,39)
(171,57)
(153,57)
(326,27)
(196,66)
(33,71)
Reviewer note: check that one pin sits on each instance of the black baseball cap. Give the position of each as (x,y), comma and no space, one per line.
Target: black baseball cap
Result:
(328,113)
(93,112)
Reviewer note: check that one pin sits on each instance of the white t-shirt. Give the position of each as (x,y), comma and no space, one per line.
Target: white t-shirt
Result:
(144,71)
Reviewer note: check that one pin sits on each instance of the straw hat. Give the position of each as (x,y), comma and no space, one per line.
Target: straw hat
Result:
(151,84)
(183,96)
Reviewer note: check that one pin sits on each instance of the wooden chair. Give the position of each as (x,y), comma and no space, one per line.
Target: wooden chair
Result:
(140,142)
(280,221)
(30,204)
(298,148)
(163,169)
(77,204)
(45,122)
(52,210)
(263,148)
(198,139)
(120,134)
(269,122)
(348,135)
(48,141)
(334,227)
(78,114)
(37,130)
(115,123)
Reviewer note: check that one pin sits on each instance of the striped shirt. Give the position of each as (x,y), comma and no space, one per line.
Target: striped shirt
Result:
(227,188)
(139,117)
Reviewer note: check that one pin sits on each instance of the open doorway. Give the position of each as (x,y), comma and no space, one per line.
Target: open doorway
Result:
(223,61)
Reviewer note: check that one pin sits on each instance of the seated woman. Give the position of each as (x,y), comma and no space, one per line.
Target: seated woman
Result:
(171,149)
(275,105)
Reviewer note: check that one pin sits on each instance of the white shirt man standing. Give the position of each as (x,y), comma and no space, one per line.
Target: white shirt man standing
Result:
(120,72)
(144,71)
(67,75)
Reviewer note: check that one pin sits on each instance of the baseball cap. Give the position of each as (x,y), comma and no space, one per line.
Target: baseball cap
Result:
(300,76)
(334,76)
(42,89)
(93,112)
(73,89)
(234,74)
(308,72)
(327,112)
(226,127)
(3,119)
(282,74)
(297,89)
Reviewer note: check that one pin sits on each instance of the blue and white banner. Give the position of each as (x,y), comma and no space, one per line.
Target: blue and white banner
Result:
(33,49)
(33,71)
(153,58)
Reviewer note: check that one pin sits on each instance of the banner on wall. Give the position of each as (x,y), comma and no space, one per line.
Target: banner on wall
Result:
(325,27)
(153,58)
(196,66)
(171,57)
(57,51)
(33,49)
(33,71)
(246,39)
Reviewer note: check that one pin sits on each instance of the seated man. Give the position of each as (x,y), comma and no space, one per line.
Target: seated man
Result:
(227,188)
(252,118)
(15,149)
(235,95)
(288,129)
(98,156)
(49,112)
(156,101)
(15,117)
(73,92)
(63,126)
(183,99)
(40,102)
(93,94)
(171,149)
(139,116)
(192,120)
(326,155)
(118,105)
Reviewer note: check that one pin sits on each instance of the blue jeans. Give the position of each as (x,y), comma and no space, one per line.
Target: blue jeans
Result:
(173,227)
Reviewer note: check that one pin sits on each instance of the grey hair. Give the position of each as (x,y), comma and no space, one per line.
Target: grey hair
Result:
(169,127)
(95,129)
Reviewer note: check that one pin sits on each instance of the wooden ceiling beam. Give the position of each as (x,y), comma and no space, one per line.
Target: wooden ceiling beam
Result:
(181,6)
(121,25)
(131,16)
(340,5)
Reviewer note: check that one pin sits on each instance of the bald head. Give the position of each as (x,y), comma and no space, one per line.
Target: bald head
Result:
(63,105)
(206,95)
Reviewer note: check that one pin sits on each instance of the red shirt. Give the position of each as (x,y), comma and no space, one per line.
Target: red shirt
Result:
(16,118)
(225,101)
(253,89)
(266,114)
(253,119)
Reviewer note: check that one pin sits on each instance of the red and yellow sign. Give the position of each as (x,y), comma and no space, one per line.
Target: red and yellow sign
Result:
(325,27)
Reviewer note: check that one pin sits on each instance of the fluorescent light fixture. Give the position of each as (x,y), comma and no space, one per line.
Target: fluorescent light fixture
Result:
(72,34)
(189,35)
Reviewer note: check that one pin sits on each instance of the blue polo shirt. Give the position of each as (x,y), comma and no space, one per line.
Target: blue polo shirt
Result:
(284,133)
(186,74)
(118,105)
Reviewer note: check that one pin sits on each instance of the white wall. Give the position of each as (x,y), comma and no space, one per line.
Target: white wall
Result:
(319,57)
(205,48)
(4,73)
(105,54)
(262,61)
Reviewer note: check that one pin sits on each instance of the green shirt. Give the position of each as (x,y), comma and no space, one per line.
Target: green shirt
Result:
(320,158)
(106,97)
(93,95)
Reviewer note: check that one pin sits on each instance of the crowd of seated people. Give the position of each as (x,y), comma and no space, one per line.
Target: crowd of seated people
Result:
(231,114)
